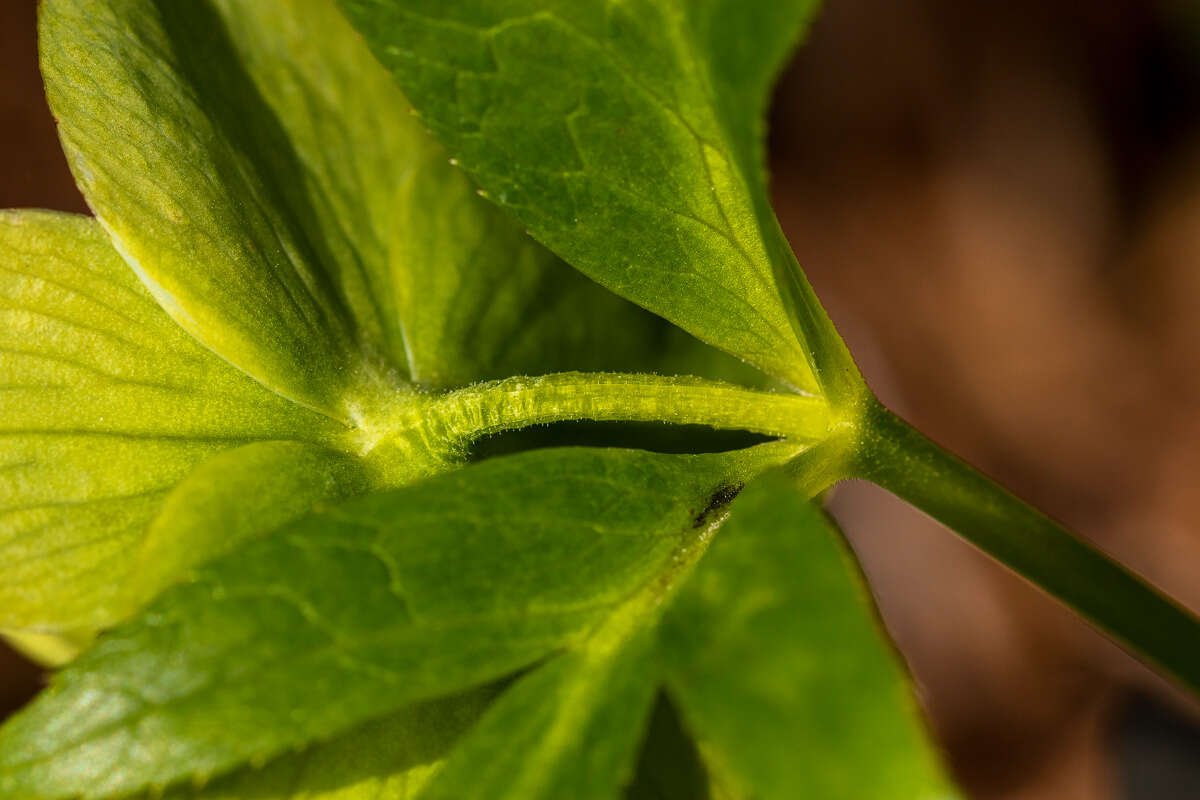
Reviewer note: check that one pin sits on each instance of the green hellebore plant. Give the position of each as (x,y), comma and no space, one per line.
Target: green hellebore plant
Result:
(238,410)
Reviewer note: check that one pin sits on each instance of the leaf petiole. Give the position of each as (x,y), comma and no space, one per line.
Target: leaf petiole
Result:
(1154,627)
(486,408)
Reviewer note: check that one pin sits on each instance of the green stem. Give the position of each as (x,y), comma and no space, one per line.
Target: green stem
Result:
(899,458)
(487,408)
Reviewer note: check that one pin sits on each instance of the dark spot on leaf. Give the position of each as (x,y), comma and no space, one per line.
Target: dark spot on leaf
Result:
(720,498)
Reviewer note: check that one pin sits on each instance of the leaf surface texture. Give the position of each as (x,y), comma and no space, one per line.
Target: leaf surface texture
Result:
(106,406)
(360,610)
(780,668)
(626,136)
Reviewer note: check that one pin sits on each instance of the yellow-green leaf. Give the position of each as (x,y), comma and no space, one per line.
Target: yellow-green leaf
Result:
(234,496)
(105,406)
(781,670)
(362,609)
(570,728)
(626,137)
(262,173)
(200,189)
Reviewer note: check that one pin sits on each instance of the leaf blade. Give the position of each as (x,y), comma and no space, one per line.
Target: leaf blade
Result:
(157,140)
(541,105)
(826,698)
(570,728)
(231,498)
(391,758)
(106,406)
(464,294)
(270,148)
(209,677)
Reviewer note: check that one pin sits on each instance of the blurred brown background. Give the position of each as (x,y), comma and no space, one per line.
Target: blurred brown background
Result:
(999,202)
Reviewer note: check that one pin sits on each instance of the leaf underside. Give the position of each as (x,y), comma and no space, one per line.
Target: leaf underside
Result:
(384,601)
(282,259)
(80,482)
(393,599)
(627,138)
(160,104)
(774,656)
(288,210)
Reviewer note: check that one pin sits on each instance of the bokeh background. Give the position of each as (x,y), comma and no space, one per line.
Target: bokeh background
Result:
(999,203)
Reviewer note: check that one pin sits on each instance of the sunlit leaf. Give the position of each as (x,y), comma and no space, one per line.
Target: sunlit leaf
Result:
(453,287)
(232,497)
(269,185)
(626,136)
(105,406)
(360,610)
(198,185)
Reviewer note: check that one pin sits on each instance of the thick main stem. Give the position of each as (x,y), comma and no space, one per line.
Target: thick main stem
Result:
(899,458)
(513,403)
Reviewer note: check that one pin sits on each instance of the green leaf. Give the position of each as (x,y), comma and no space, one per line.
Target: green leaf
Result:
(232,497)
(263,174)
(363,609)
(569,729)
(105,406)
(200,190)
(626,137)
(481,299)
(778,666)
(387,759)
(452,287)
